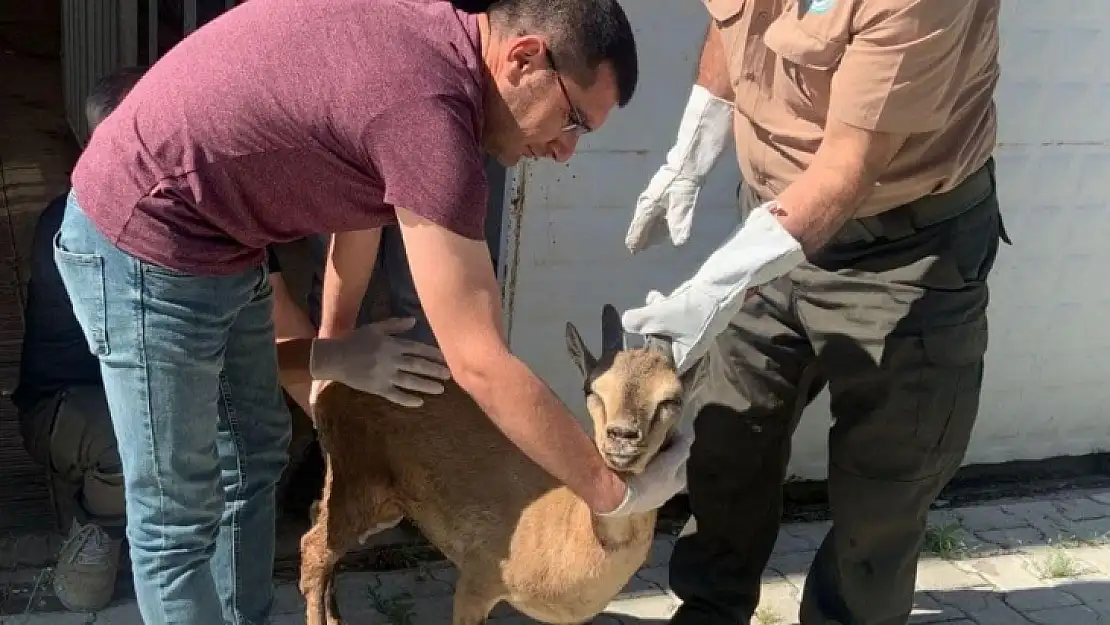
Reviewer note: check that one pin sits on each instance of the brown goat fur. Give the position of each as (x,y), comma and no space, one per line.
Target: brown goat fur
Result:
(514,533)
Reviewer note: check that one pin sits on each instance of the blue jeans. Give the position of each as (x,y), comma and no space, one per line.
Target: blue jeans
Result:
(190,373)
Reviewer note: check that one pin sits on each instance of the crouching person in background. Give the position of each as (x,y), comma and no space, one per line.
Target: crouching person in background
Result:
(62,409)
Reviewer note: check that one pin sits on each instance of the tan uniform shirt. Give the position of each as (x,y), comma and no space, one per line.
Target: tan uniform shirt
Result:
(926,68)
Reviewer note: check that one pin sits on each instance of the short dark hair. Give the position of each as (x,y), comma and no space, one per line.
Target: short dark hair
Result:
(108,92)
(582,34)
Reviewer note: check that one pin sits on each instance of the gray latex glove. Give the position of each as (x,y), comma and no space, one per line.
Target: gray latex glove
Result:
(759,251)
(371,359)
(663,478)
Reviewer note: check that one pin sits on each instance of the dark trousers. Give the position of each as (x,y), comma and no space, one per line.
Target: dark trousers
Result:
(892,318)
(69,432)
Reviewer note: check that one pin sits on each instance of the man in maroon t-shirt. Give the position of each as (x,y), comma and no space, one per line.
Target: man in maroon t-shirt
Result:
(286,118)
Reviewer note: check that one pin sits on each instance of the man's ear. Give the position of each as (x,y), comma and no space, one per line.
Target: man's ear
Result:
(526,53)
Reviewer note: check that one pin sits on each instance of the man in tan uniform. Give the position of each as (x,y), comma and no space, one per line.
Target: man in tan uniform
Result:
(864,130)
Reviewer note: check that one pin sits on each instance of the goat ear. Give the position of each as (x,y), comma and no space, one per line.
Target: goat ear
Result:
(661,344)
(578,351)
(612,330)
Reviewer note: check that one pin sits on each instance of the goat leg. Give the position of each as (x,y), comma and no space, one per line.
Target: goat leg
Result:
(335,527)
(475,597)
(318,560)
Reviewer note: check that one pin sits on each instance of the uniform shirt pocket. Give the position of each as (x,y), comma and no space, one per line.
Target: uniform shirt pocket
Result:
(804,68)
(795,44)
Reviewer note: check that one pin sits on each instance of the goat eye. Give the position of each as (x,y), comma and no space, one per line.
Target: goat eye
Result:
(668,405)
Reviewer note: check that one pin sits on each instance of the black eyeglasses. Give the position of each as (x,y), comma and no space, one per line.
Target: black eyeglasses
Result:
(577,123)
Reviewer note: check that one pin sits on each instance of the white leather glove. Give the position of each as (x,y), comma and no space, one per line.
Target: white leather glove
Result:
(759,251)
(673,191)
(371,359)
(662,478)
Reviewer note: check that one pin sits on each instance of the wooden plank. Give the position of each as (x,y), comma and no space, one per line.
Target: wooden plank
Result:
(24,494)
(36,155)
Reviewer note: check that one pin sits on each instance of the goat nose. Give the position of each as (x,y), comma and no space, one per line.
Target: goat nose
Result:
(623,433)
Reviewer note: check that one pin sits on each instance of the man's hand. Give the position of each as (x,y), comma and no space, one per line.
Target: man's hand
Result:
(371,359)
(843,173)
(663,478)
(672,192)
(699,309)
(458,291)
(347,271)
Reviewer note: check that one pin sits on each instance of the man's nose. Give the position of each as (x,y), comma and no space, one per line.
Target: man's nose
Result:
(565,146)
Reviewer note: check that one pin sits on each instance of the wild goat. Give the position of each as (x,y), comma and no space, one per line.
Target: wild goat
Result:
(513,532)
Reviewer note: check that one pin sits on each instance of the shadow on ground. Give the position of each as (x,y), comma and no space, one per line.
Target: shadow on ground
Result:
(1076,602)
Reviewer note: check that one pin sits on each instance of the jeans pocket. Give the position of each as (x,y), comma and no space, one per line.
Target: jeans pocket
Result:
(83,276)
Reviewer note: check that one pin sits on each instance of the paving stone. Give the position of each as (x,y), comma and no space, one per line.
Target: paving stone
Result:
(1008,572)
(354,586)
(503,610)
(288,619)
(119,614)
(1033,599)
(792,566)
(32,550)
(513,619)
(1092,529)
(928,610)
(19,577)
(50,618)
(1042,515)
(779,597)
(984,606)
(984,518)
(288,600)
(788,543)
(936,574)
(660,576)
(427,611)
(810,533)
(955,592)
(1072,615)
(660,553)
(691,527)
(973,545)
(361,615)
(1083,509)
(447,574)
(942,518)
(639,586)
(661,607)
(520,619)
(413,582)
(1094,593)
(1014,538)
(1098,557)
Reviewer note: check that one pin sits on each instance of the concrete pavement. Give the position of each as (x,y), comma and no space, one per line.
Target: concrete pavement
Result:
(1043,561)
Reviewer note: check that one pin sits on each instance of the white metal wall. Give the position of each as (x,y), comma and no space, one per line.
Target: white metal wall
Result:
(97,37)
(100,36)
(1048,378)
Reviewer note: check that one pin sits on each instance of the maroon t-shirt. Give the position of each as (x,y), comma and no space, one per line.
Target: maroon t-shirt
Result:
(284,118)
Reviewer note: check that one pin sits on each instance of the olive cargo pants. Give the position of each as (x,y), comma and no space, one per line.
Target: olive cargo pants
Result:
(892,317)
